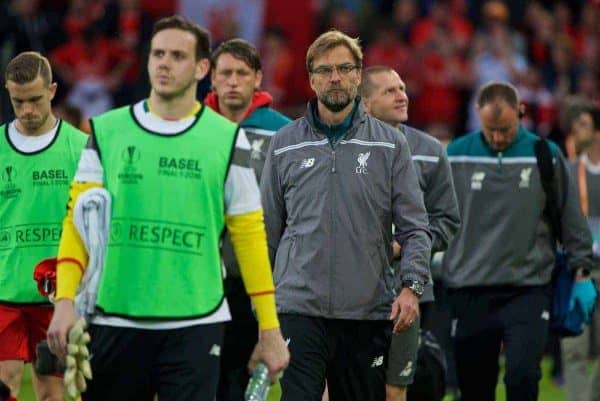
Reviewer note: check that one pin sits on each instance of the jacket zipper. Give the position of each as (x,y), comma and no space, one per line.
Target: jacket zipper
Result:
(333,161)
(500,162)
(332,239)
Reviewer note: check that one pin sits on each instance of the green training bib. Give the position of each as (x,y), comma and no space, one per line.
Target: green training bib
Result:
(167,191)
(34,190)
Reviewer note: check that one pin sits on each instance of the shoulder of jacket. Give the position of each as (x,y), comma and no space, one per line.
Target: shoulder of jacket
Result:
(381,130)
(293,132)
(459,146)
(430,142)
(268,118)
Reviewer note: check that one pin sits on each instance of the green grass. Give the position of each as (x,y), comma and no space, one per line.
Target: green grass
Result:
(548,390)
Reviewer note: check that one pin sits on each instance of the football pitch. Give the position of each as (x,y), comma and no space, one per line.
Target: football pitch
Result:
(548,390)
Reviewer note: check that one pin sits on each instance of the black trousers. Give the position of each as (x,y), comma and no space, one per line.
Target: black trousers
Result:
(486,320)
(350,354)
(135,364)
(241,336)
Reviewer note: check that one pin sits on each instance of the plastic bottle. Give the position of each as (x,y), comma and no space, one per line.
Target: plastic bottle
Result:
(258,385)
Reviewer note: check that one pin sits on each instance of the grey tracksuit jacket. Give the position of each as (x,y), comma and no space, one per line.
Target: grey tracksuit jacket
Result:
(435,178)
(505,239)
(329,214)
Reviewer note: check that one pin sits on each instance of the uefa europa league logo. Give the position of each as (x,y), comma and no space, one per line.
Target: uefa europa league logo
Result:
(130,154)
(8,174)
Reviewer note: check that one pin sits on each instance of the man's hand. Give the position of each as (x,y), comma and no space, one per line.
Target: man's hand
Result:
(405,310)
(63,319)
(396,249)
(272,351)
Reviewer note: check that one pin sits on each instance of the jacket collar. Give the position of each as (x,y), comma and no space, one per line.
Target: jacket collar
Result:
(521,132)
(259,99)
(360,115)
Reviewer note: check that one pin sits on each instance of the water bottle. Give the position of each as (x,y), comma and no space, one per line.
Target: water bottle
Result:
(258,385)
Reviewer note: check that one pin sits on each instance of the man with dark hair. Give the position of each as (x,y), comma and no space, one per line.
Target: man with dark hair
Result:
(333,184)
(178,174)
(236,77)
(38,157)
(499,264)
(384,95)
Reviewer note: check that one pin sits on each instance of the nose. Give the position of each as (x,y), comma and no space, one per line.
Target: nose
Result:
(335,75)
(164,62)
(497,137)
(27,108)
(233,79)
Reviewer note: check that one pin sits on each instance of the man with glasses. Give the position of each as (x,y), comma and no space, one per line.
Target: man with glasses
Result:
(333,183)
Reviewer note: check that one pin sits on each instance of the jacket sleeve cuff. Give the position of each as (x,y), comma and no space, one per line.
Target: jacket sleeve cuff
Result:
(412,277)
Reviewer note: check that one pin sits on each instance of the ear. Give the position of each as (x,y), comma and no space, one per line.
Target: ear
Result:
(259,77)
(202,68)
(367,105)
(52,90)
(521,110)
(311,81)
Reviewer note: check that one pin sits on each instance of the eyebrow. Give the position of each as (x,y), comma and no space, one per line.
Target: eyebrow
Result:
(172,51)
(31,99)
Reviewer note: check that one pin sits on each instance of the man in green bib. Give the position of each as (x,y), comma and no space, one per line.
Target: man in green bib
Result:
(38,159)
(178,175)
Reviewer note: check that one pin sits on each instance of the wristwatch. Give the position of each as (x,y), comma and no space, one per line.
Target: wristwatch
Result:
(415,286)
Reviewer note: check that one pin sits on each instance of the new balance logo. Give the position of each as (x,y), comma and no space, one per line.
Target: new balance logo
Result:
(477,180)
(378,361)
(407,370)
(215,350)
(453,325)
(306,163)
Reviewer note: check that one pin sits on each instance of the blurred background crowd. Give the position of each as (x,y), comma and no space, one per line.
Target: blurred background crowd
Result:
(443,49)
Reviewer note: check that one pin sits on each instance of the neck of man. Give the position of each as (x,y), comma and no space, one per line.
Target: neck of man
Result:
(235,115)
(43,129)
(331,118)
(175,108)
(593,151)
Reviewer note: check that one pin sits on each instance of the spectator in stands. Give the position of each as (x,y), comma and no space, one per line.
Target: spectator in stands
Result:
(277,65)
(576,126)
(497,53)
(404,16)
(540,110)
(94,67)
(390,49)
(27,27)
(561,74)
